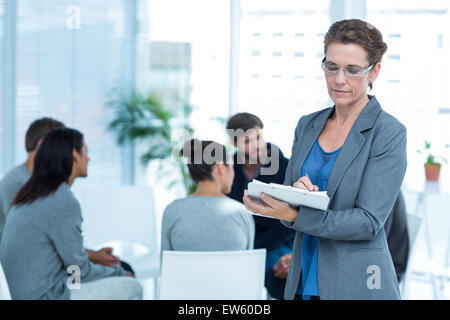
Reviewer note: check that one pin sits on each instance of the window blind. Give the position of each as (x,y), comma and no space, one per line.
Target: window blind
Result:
(69,54)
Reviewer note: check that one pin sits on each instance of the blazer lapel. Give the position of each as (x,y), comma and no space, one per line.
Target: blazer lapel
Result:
(310,136)
(353,144)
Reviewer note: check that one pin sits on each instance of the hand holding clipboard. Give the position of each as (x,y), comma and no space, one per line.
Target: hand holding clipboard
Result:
(294,196)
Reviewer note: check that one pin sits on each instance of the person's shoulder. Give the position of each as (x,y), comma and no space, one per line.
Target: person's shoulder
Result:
(388,124)
(18,175)
(63,201)
(175,207)
(388,119)
(273,147)
(61,205)
(387,132)
(225,205)
(64,191)
(231,202)
(245,215)
(315,114)
(232,206)
(283,160)
(197,202)
(312,116)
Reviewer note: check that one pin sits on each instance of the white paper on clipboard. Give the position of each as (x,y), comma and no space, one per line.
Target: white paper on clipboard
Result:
(294,196)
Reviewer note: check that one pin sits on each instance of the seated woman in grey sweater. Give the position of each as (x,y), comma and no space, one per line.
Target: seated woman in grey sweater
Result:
(41,249)
(207,220)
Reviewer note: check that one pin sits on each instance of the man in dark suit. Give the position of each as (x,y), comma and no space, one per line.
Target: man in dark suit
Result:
(256,159)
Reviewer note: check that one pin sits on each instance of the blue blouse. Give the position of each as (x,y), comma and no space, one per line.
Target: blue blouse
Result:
(317,166)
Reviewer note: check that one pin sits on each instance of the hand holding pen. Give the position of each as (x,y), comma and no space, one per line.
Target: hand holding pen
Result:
(305,183)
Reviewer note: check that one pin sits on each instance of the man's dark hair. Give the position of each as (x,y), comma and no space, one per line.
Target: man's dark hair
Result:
(38,130)
(52,165)
(244,121)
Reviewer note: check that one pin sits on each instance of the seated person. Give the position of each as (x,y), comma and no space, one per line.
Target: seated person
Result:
(256,159)
(397,236)
(207,220)
(42,240)
(18,176)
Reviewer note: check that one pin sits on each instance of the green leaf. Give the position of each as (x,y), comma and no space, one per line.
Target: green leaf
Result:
(144,118)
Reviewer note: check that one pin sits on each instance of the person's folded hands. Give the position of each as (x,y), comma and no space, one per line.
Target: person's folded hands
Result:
(281,268)
(104,257)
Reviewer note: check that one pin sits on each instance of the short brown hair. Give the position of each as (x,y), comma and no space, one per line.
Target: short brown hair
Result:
(244,121)
(38,130)
(358,32)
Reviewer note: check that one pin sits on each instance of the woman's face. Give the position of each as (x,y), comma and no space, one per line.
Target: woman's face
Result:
(347,92)
(81,161)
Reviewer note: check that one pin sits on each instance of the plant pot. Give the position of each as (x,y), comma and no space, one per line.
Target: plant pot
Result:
(432,172)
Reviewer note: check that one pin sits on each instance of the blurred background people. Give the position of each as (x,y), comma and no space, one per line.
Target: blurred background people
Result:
(264,161)
(207,220)
(18,176)
(42,238)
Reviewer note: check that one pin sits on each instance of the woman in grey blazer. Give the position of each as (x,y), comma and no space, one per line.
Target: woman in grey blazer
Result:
(357,153)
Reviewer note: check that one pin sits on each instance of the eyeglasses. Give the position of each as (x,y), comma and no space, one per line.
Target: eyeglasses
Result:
(352,72)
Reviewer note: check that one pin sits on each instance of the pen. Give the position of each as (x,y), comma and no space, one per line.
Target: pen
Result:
(308,178)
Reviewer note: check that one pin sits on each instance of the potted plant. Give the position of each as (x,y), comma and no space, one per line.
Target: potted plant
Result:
(143,118)
(432,163)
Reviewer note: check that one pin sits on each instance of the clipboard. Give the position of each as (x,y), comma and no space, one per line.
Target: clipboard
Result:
(294,196)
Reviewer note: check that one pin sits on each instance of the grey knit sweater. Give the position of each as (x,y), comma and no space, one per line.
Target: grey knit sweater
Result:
(9,186)
(203,223)
(40,241)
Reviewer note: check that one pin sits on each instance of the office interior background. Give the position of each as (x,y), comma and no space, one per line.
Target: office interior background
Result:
(205,60)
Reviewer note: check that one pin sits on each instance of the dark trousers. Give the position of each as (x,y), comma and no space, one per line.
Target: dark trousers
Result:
(126,267)
(275,286)
(300,297)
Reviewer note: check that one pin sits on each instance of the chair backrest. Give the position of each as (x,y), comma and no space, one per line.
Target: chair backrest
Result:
(4,289)
(213,275)
(123,213)
(413,223)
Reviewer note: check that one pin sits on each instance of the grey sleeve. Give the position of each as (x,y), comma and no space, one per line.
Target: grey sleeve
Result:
(7,195)
(382,177)
(68,241)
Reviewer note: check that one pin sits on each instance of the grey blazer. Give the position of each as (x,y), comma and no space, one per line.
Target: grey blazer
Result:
(353,255)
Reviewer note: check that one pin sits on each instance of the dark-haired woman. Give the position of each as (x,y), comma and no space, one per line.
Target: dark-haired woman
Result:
(207,220)
(357,153)
(42,250)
